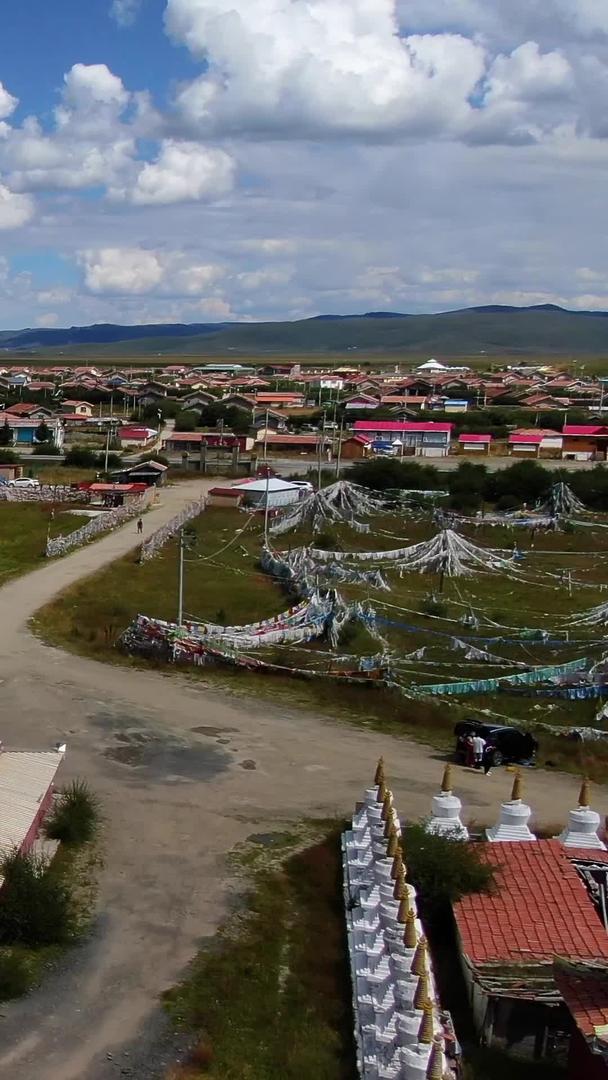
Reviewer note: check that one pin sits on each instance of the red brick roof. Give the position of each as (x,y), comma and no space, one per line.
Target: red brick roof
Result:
(540,909)
(586,995)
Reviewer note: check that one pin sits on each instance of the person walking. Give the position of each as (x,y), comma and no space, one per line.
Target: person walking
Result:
(140,526)
(488,758)
(478,749)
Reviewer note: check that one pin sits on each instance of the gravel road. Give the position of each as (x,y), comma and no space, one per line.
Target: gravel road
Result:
(184,774)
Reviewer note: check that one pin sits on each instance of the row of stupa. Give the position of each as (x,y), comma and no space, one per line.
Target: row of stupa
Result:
(581,830)
(400,1030)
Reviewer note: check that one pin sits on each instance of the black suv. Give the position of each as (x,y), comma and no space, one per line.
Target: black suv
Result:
(511,743)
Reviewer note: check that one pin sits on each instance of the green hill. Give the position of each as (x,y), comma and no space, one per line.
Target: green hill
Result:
(494,331)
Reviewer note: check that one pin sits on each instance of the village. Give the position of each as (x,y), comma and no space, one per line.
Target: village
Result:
(263,633)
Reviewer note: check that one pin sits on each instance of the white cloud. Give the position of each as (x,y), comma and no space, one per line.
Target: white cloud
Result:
(183,172)
(8,103)
(309,68)
(15,210)
(137,271)
(47,318)
(125,12)
(89,145)
(121,270)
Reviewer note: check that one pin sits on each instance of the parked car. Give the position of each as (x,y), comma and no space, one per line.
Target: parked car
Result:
(24,482)
(511,743)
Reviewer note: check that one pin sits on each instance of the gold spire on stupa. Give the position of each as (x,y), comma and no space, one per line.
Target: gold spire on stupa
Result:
(419,963)
(518,787)
(379,776)
(426,1029)
(584,799)
(446,783)
(410,934)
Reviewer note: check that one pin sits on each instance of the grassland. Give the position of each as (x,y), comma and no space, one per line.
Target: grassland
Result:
(225,585)
(23,533)
(270,996)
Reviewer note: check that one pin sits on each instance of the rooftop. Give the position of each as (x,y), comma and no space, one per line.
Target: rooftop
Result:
(540,909)
(25,779)
(585,991)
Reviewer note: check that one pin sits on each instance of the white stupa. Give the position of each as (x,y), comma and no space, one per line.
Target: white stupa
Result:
(445,816)
(512,824)
(583,823)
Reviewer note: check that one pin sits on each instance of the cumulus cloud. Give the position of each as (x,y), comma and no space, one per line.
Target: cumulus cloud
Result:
(121,270)
(310,68)
(8,103)
(88,146)
(182,172)
(15,210)
(136,271)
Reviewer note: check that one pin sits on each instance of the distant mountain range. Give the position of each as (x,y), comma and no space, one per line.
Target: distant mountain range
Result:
(495,330)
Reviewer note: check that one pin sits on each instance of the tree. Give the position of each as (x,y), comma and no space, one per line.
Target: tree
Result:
(185,421)
(467,485)
(8,457)
(386,473)
(526,481)
(43,433)
(233,418)
(6,434)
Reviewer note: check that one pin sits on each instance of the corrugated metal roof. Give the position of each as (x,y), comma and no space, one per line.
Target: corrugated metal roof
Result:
(25,778)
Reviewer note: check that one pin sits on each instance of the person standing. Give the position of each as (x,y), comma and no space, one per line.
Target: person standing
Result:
(478,749)
(140,526)
(469,752)
(488,758)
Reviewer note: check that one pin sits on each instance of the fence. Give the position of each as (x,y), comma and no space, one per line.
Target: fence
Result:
(153,545)
(46,493)
(111,519)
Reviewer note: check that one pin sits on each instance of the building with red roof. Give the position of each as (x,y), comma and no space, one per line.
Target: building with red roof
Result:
(539,910)
(421,438)
(585,442)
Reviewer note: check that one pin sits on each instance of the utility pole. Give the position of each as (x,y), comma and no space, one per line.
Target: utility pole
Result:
(339,454)
(266,506)
(180,580)
(320,453)
(266,436)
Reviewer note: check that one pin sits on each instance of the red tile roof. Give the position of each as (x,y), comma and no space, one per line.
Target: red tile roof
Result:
(586,995)
(586,429)
(540,909)
(400,425)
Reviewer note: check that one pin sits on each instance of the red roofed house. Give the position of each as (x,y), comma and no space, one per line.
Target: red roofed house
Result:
(424,439)
(584,988)
(539,910)
(136,436)
(470,442)
(584,442)
(535,441)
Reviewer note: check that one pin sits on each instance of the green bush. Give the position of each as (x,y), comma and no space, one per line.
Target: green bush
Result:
(46,450)
(8,457)
(80,457)
(114,461)
(16,974)
(326,540)
(442,869)
(36,908)
(75,817)
(432,606)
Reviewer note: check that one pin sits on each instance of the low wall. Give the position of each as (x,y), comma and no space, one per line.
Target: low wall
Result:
(46,493)
(112,519)
(157,541)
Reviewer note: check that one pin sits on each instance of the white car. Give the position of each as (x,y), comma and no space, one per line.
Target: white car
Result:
(24,482)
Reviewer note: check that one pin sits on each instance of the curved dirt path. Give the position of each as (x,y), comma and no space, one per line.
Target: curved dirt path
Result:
(173,764)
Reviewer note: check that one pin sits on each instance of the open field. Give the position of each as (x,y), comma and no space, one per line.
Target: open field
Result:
(23,533)
(184,773)
(424,641)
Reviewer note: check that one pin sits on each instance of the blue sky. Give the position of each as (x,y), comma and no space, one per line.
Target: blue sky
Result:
(209,159)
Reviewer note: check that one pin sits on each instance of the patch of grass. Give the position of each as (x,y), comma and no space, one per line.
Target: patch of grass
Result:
(75,815)
(23,533)
(270,997)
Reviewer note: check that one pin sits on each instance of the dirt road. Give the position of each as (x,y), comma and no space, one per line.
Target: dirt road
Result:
(184,773)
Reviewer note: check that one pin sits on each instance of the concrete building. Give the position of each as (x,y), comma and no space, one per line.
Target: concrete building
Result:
(422,439)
